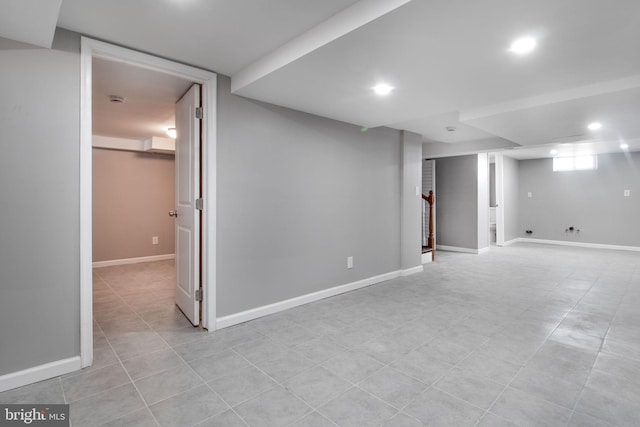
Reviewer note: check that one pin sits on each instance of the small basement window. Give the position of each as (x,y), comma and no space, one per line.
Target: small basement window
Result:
(578,163)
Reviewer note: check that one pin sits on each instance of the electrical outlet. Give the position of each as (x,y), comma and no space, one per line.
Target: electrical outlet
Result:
(154,240)
(349,262)
(627,193)
(529,194)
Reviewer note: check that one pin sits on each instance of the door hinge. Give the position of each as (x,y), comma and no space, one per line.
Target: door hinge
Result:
(199,113)
(199,294)
(199,204)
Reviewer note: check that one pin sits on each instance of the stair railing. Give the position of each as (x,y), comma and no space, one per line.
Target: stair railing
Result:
(430,199)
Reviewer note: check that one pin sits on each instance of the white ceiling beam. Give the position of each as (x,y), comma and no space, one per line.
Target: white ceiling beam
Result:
(342,23)
(595,89)
(29,21)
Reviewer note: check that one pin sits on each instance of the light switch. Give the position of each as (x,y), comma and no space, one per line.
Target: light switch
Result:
(529,194)
(627,193)
(417,190)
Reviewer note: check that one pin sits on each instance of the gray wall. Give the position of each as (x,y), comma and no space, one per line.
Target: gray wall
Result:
(39,183)
(510,172)
(297,195)
(591,201)
(457,201)
(132,195)
(483,201)
(411,230)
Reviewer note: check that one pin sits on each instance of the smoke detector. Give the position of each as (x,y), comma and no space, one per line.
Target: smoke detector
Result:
(115,99)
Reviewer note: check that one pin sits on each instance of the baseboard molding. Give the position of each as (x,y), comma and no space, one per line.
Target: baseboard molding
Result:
(510,242)
(265,310)
(579,244)
(124,261)
(412,270)
(427,258)
(39,373)
(457,249)
(483,250)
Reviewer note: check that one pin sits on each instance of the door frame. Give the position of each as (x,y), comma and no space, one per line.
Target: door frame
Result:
(91,48)
(499,188)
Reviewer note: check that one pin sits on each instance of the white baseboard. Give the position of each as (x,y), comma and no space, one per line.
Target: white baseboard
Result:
(39,373)
(483,250)
(427,258)
(265,310)
(510,242)
(457,249)
(579,244)
(124,261)
(412,270)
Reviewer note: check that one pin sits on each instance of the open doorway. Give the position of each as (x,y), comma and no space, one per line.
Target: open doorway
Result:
(493,204)
(94,50)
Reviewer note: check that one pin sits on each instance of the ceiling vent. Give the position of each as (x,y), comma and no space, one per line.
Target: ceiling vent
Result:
(115,99)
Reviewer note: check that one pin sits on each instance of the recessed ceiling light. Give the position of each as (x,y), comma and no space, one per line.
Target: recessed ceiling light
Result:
(594,126)
(523,45)
(172,133)
(553,152)
(624,146)
(382,89)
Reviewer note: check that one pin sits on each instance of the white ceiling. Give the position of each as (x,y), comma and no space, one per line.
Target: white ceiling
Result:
(149,100)
(448,61)
(25,23)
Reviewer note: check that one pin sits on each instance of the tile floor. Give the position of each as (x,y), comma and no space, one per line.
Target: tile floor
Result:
(525,335)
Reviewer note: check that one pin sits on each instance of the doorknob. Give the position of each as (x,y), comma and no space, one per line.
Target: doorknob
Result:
(173,213)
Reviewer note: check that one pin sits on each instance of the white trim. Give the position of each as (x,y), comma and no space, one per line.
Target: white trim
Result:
(86,219)
(412,270)
(510,242)
(39,373)
(579,244)
(499,189)
(457,249)
(427,257)
(483,250)
(265,310)
(124,261)
(209,213)
(92,48)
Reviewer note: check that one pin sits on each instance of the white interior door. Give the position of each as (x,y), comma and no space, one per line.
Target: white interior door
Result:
(187,216)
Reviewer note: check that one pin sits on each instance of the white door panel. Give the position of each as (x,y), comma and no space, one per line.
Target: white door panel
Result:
(187,192)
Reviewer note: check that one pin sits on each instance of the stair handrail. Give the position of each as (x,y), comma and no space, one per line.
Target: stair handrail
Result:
(431,199)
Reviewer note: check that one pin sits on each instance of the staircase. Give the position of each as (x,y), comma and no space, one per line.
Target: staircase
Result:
(428,237)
